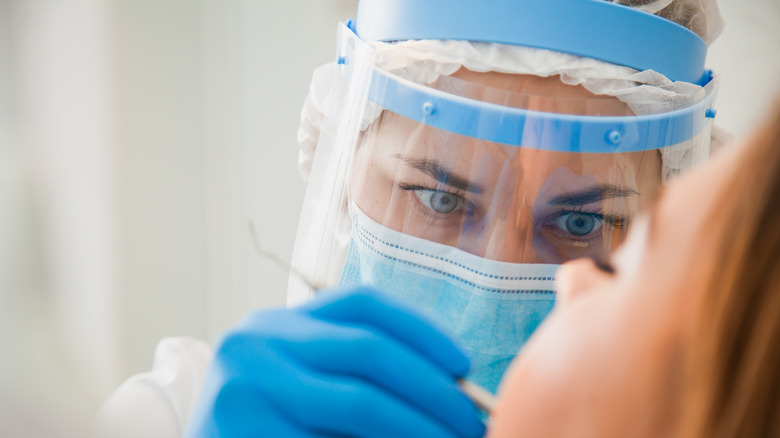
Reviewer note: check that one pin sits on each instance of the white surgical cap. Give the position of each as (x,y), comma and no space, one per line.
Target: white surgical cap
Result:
(700,16)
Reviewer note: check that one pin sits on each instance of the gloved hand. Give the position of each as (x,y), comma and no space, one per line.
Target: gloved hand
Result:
(352,363)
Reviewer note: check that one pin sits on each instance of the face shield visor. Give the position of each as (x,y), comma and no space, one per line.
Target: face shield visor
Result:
(463,194)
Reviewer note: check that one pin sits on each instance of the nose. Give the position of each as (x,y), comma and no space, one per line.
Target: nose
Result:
(511,241)
(575,278)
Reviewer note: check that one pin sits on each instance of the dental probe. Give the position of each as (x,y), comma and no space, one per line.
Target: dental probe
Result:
(481,397)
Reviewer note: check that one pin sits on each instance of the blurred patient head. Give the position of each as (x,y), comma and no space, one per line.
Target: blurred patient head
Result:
(679,334)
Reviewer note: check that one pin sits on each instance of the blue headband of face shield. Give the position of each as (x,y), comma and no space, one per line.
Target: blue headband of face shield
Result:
(595,29)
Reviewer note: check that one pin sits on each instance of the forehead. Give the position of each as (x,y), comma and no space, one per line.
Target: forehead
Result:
(548,94)
(399,136)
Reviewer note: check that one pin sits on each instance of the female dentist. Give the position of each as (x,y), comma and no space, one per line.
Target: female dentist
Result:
(457,153)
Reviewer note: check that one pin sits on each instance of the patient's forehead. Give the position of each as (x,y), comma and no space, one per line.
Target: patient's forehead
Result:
(690,205)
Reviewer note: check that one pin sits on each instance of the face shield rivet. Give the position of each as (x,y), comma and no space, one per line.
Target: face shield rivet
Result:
(614,137)
(428,108)
(341,60)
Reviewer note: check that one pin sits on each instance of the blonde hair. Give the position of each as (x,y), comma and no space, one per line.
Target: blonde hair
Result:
(733,376)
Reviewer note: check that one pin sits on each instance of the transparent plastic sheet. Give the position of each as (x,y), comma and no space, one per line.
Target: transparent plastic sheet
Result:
(426,61)
(325,224)
(467,229)
(505,203)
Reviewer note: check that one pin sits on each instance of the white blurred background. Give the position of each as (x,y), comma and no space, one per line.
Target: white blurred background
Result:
(158,128)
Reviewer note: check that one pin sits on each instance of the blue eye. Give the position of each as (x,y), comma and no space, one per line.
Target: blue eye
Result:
(439,201)
(579,223)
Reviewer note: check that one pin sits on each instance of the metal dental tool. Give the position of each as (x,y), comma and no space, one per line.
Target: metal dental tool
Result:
(481,397)
(284,264)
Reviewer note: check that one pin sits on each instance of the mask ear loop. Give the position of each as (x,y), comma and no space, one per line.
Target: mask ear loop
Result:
(481,397)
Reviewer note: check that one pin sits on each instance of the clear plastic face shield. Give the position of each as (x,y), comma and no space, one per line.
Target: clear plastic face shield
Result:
(464,194)
(501,202)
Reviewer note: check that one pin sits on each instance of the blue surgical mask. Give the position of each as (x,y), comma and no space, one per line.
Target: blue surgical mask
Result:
(490,307)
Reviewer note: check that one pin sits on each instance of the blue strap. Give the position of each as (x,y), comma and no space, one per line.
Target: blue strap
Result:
(535,129)
(593,28)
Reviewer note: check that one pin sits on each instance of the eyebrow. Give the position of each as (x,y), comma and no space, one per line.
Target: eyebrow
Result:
(438,172)
(593,193)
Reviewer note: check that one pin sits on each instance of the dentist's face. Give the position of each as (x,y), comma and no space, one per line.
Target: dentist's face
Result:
(502,202)
(607,362)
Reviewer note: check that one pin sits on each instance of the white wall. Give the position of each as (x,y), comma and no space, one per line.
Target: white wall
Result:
(158,128)
(747,57)
(160,174)
(210,97)
(63,118)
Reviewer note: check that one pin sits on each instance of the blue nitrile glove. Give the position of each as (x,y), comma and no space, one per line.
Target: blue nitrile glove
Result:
(351,363)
